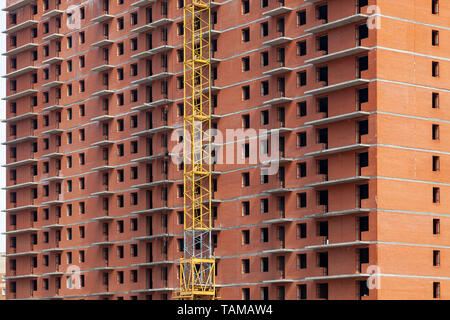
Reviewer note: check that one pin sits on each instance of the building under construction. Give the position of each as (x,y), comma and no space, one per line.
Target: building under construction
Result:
(355,92)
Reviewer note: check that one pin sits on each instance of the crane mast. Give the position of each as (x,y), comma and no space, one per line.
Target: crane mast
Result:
(197,267)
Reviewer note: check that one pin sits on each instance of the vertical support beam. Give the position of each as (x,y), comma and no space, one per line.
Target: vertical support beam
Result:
(197,267)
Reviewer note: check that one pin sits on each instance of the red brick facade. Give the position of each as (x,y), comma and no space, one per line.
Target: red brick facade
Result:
(357,90)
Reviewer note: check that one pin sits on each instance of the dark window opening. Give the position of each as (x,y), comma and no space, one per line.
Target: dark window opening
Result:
(363,33)
(322,291)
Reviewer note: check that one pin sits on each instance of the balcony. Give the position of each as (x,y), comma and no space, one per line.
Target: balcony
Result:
(55,153)
(59,199)
(20,72)
(277,250)
(104,67)
(281,188)
(154,210)
(338,118)
(102,118)
(22,208)
(338,86)
(21,117)
(16,163)
(279,70)
(55,178)
(154,104)
(329,183)
(103,193)
(23,25)
(55,130)
(347,148)
(337,213)
(53,107)
(278,100)
(104,142)
(21,185)
(53,83)
(328,245)
(103,92)
(17,4)
(338,55)
(105,16)
(28,46)
(53,35)
(277,11)
(151,157)
(104,42)
(155,236)
(153,51)
(278,220)
(338,23)
(154,77)
(103,218)
(281,39)
(19,231)
(55,59)
(153,131)
(52,13)
(161,22)
(142,3)
(143,28)
(31,136)
(213,33)
(105,241)
(337,277)
(21,94)
(104,167)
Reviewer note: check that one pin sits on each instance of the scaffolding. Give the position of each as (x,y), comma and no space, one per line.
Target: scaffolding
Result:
(197,267)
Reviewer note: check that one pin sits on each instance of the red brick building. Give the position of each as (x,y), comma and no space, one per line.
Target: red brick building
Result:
(357,91)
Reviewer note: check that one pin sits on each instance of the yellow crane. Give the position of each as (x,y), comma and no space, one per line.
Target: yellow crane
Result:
(197,267)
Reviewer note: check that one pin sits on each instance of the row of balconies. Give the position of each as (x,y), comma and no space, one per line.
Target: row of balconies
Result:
(165,47)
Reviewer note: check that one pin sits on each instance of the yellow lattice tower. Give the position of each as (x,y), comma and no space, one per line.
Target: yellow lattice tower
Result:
(197,267)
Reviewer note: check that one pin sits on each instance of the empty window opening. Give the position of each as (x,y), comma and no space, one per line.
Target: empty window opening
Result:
(362,33)
(436,258)
(363,289)
(363,257)
(301,18)
(322,199)
(435,131)
(435,69)
(436,226)
(363,225)
(361,4)
(363,65)
(322,105)
(322,261)
(322,12)
(322,43)
(363,129)
(322,136)
(363,161)
(435,6)
(436,195)
(435,100)
(435,38)
(322,167)
(436,163)
(322,291)
(436,290)
(322,75)
(363,191)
